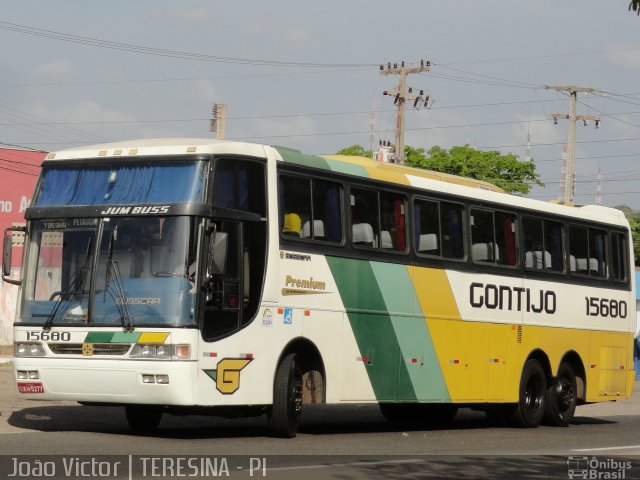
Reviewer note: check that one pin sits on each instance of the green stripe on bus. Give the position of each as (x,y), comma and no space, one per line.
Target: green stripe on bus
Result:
(295,156)
(372,327)
(112,337)
(414,338)
(348,168)
(99,337)
(125,337)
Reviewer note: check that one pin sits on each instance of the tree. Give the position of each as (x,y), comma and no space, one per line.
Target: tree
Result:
(635,238)
(357,150)
(634,222)
(635,6)
(504,171)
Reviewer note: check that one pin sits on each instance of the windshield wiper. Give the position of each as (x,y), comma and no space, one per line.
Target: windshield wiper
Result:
(75,284)
(117,292)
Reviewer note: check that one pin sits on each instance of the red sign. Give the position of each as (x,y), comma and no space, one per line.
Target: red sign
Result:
(24,387)
(19,170)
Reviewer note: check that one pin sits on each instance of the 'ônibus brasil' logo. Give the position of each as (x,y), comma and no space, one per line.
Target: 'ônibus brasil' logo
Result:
(227,374)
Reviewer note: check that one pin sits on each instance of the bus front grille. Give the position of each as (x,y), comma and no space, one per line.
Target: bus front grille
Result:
(90,349)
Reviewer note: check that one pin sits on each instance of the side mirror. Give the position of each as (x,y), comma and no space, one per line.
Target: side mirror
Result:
(218,247)
(7,247)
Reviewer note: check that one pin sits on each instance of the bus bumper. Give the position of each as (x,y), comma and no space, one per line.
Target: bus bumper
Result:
(106,381)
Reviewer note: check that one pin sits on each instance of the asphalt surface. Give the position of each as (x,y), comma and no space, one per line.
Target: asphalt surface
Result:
(345,442)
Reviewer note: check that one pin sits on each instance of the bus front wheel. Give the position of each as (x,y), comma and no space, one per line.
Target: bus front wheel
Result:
(287,398)
(143,418)
(530,409)
(561,397)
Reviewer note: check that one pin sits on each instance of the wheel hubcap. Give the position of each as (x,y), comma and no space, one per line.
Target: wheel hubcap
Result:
(564,393)
(297,398)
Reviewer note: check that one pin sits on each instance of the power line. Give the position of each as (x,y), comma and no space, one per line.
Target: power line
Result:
(502,81)
(291,115)
(542,57)
(16,162)
(19,171)
(611,116)
(182,79)
(549,144)
(161,52)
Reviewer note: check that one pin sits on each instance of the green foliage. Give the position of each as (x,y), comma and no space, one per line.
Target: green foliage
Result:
(505,171)
(635,6)
(635,236)
(355,150)
(634,221)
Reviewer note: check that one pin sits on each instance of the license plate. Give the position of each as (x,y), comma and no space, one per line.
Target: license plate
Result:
(30,387)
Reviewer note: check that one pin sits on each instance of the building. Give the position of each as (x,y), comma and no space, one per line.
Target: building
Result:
(19,170)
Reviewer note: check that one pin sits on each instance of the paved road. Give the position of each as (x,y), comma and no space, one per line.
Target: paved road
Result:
(354,440)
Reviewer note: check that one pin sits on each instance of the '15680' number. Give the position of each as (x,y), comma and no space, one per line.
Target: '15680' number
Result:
(49,336)
(605,307)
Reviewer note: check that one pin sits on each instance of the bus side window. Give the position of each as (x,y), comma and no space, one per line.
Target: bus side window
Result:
(553,235)
(327,212)
(505,225)
(393,223)
(619,257)
(239,184)
(578,250)
(427,227)
(451,223)
(295,204)
(364,215)
(597,253)
(483,246)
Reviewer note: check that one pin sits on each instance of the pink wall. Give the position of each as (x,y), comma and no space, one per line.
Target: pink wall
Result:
(19,170)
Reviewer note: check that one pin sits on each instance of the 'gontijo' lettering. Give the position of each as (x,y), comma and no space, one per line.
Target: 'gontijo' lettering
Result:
(505,297)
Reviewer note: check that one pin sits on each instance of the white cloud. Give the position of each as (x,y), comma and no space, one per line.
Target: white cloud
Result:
(188,16)
(625,58)
(298,35)
(200,91)
(81,111)
(57,69)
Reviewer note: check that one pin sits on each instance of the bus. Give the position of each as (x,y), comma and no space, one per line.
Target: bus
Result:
(213,277)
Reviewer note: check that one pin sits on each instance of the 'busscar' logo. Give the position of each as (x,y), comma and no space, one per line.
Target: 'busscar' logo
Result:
(142,210)
(138,301)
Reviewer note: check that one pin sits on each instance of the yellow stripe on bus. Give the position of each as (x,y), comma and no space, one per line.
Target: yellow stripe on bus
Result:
(153,337)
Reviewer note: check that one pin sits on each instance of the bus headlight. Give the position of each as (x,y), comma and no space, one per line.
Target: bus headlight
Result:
(25,349)
(161,352)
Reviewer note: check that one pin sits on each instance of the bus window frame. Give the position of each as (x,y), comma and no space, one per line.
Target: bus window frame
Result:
(563,238)
(310,240)
(465,229)
(588,227)
(407,214)
(494,263)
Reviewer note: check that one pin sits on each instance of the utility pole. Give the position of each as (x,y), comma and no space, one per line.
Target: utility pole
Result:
(218,122)
(401,94)
(569,171)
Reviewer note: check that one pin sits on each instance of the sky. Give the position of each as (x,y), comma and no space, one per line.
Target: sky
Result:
(305,75)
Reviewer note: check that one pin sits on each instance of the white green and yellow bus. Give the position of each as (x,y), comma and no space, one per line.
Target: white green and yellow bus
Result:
(203,276)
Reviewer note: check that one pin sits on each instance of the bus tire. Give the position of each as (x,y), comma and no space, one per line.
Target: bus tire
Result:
(143,418)
(562,397)
(529,410)
(287,398)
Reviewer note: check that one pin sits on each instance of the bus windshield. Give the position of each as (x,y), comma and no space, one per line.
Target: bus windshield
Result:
(112,271)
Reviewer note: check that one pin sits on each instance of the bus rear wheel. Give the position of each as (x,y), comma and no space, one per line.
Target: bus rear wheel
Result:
(530,409)
(143,418)
(287,398)
(561,397)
